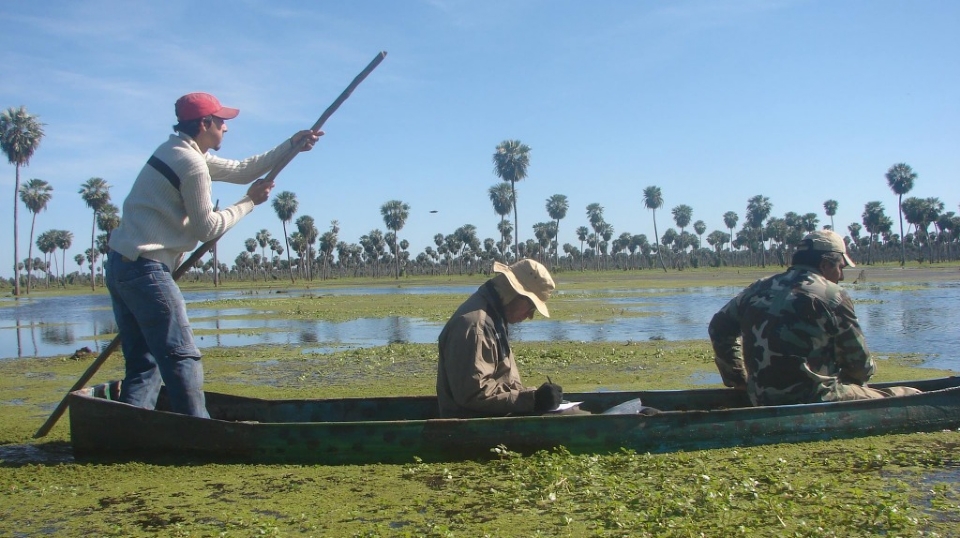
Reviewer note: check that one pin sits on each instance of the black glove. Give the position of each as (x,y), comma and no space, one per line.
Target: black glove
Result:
(547,397)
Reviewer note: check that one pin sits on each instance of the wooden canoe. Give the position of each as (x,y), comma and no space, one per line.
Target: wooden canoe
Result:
(400,429)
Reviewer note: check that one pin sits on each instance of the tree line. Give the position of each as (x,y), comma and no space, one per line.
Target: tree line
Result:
(306,253)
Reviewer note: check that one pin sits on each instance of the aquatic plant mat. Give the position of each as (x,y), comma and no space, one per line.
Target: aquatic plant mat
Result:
(896,485)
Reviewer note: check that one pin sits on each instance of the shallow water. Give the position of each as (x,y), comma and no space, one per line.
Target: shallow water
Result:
(916,320)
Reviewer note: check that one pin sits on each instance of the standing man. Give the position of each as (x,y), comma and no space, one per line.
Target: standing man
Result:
(166,213)
(477,374)
(794,338)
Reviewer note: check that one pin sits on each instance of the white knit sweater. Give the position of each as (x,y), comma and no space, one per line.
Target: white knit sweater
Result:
(161,224)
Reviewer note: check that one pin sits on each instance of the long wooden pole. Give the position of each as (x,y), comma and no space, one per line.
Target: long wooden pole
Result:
(329,112)
(204,248)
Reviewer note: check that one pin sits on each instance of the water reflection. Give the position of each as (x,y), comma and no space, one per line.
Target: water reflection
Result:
(911,321)
(60,335)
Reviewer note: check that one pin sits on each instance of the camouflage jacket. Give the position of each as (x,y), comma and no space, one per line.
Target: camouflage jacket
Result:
(791,338)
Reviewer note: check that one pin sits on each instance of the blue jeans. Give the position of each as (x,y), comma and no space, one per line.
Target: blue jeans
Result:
(155,336)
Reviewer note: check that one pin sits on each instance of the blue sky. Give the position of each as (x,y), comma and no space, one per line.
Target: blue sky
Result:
(714,102)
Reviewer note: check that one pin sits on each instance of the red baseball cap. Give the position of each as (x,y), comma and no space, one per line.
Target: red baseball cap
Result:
(197,105)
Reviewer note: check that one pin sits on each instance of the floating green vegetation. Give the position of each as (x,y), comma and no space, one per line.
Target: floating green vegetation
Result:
(434,307)
(864,487)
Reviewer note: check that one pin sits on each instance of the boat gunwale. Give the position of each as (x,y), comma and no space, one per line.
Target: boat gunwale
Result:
(953,384)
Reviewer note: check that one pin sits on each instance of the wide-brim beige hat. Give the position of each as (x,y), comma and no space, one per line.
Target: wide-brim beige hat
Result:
(826,241)
(530,279)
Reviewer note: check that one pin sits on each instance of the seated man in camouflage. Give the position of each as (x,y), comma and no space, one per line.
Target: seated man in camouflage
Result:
(794,337)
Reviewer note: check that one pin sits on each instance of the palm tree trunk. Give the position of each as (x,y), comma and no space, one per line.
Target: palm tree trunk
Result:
(556,249)
(56,270)
(503,239)
(16,248)
(216,267)
(93,257)
(287,243)
(903,248)
(763,251)
(656,237)
(516,223)
(33,223)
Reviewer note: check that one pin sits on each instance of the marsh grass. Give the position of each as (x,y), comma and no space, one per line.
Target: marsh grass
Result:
(864,487)
(894,485)
(582,307)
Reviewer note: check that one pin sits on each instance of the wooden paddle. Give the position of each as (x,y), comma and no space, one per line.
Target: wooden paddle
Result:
(204,248)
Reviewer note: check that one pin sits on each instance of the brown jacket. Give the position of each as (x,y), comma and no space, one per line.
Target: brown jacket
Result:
(477,375)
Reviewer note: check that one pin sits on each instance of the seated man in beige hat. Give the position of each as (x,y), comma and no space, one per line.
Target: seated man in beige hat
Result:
(794,338)
(477,375)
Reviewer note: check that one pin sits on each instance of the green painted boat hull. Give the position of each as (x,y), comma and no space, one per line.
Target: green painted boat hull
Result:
(403,429)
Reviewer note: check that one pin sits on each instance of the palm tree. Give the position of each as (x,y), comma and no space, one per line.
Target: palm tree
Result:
(285,204)
(373,243)
(64,240)
(730,219)
(874,219)
(463,237)
(604,233)
(900,178)
(716,239)
(510,162)
(48,246)
(308,229)
(20,135)
(328,243)
(854,228)
(103,248)
(543,232)
(34,194)
(79,258)
(595,216)
(277,249)
(921,213)
(653,200)
(96,193)
(501,196)
(395,215)
(108,219)
(700,228)
(557,206)
(263,239)
(758,209)
(91,255)
(681,216)
(242,261)
(583,233)
(506,234)
(946,227)
(297,244)
(830,207)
